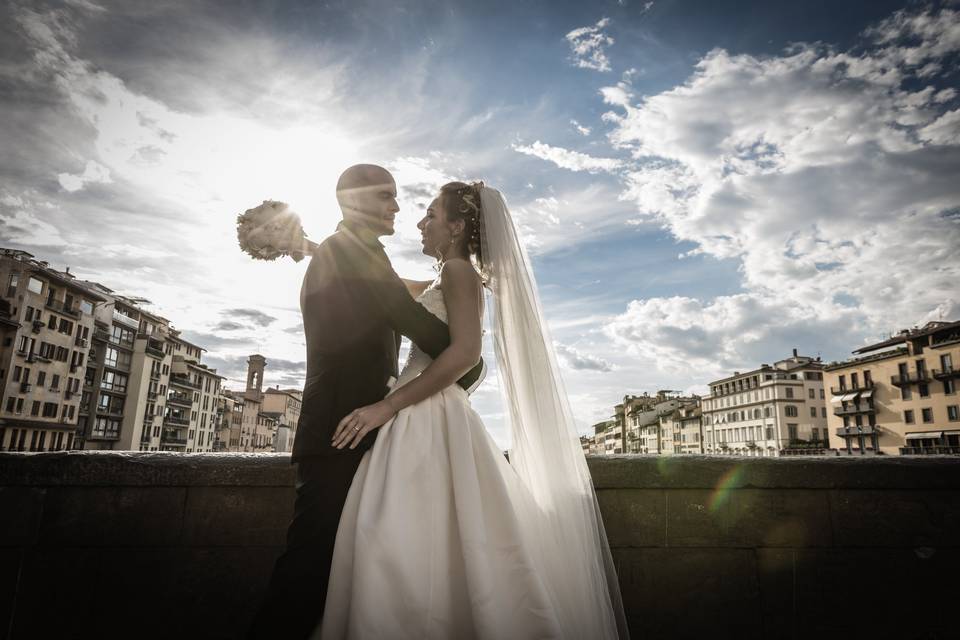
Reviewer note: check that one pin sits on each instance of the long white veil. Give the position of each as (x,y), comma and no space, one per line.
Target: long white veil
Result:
(546,453)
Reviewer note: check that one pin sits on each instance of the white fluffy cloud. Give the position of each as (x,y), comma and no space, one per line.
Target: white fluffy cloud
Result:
(588,46)
(831,176)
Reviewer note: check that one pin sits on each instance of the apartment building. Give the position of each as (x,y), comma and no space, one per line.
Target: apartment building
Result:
(230,423)
(607,438)
(770,411)
(680,429)
(643,414)
(283,406)
(899,396)
(46,318)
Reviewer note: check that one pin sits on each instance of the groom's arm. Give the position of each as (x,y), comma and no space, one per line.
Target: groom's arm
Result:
(386,291)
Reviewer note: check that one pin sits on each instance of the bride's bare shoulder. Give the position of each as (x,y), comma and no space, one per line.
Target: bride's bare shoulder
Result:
(459,273)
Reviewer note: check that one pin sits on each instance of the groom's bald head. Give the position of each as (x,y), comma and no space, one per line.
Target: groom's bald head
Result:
(367,194)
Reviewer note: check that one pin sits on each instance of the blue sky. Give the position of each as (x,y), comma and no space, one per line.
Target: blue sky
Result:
(702,185)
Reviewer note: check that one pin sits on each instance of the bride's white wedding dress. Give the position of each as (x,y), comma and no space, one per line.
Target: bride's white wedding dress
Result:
(435,539)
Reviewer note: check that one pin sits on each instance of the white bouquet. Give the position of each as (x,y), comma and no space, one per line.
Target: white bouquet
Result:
(270,231)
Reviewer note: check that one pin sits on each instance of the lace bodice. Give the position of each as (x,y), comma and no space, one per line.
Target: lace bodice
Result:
(417,360)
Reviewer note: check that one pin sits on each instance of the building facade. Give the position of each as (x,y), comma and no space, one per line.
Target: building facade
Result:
(46,319)
(771,411)
(899,396)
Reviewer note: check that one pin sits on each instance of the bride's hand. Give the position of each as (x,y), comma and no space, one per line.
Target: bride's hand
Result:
(359,422)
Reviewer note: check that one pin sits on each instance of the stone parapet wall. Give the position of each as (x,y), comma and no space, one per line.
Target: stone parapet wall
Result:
(118,544)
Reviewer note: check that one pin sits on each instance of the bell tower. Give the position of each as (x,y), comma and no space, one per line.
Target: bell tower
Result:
(255,366)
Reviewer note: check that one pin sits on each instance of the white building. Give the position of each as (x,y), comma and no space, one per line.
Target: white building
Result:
(771,411)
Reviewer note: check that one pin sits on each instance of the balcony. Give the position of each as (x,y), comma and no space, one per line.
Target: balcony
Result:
(108,434)
(125,320)
(183,380)
(946,374)
(154,351)
(864,430)
(25,387)
(173,437)
(854,409)
(83,343)
(862,386)
(179,400)
(180,422)
(37,326)
(930,451)
(100,334)
(909,378)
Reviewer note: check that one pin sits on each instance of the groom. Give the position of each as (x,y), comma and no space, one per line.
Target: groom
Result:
(354,310)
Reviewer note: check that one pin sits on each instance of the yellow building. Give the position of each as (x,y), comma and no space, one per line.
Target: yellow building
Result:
(899,396)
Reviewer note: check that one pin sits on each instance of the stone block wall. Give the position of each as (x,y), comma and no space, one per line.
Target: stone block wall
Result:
(142,545)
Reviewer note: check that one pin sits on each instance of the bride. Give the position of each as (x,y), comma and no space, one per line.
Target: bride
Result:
(441,536)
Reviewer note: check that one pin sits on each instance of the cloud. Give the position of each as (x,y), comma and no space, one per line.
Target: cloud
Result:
(682,334)
(254,316)
(579,128)
(573,359)
(588,46)
(828,174)
(94,172)
(227,325)
(567,159)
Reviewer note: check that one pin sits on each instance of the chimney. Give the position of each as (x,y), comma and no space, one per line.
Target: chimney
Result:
(794,353)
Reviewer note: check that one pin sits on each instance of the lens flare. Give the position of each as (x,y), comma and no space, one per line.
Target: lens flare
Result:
(728,482)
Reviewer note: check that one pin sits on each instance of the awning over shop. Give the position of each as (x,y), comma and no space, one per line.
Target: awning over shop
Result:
(925,435)
(849,397)
(866,394)
(836,399)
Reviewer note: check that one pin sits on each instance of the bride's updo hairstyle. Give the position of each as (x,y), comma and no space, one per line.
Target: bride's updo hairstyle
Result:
(461,201)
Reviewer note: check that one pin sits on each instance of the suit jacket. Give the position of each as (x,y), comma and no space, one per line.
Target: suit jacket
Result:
(355,309)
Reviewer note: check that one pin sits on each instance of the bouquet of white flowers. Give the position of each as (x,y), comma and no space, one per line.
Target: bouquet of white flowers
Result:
(271,230)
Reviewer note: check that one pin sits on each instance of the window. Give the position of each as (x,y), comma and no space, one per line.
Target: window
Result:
(854,381)
(953,413)
(924,389)
(35,285)
(792,432)
(843,382)
(789,392)
(813,412)
(110,356)
(867,379)
(790,411)
(66,327)
(41,378)
(927,414)
(12,286)
(823,412)
(812,394)
(35,408)
(766,412)
(815,434)
(86,307)
(949,387)
(49,409)
(821,394)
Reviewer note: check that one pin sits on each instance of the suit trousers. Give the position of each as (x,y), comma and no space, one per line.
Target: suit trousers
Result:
(293,605)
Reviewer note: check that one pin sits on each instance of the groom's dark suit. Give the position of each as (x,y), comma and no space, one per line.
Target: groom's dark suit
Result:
(354,310)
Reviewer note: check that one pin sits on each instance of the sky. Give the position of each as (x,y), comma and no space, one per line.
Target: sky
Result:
(702,186)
